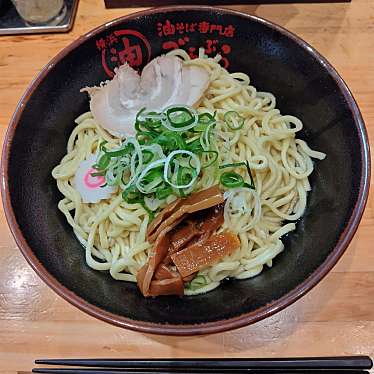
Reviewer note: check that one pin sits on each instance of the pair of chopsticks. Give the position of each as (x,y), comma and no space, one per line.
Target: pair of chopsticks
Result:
(311,365)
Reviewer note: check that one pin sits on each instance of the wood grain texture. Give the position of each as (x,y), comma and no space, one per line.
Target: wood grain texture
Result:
(335,318)
(134,3)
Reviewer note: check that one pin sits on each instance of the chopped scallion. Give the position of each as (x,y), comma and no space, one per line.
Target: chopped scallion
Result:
(132,196)
(233,120)
(231,180)
(196,283)
(232,165)
(212,160)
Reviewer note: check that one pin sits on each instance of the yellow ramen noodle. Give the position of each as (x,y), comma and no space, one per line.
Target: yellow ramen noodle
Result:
(113,232)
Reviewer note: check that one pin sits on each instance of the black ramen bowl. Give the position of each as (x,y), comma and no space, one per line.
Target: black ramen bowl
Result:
(305,85)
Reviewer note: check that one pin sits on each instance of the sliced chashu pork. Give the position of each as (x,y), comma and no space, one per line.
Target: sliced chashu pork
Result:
(164,81)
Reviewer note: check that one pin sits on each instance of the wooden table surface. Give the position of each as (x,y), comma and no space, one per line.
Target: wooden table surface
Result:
(335,318)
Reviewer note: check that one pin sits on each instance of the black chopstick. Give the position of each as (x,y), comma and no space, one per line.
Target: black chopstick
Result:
(189,371)
(301,363)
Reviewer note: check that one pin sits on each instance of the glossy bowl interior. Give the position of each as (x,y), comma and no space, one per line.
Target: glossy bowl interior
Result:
(304,84)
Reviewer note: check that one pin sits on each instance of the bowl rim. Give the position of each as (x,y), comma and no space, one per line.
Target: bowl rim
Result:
(205,327)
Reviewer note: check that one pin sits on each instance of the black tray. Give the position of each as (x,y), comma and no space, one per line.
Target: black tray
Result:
(12,23)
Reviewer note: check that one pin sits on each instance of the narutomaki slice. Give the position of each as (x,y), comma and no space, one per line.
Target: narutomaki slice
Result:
(202,254)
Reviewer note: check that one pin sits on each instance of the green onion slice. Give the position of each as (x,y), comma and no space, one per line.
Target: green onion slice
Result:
(114,175)
(246,164)
(148,121)
(207,118)
(180,118)
(152,180)
(195,146)
(163,192)
(98,174)
(233,120)
(127,148)
(231,180)
(185,175)
(150,213)
(152,153)
(146,134)
(170,141)
(166,156)
(167,168)
(196,283)
(102,163)
(131,195)
(148,156)
(205,137)
(232,165)
(102,145)
(149,167)
(212,160)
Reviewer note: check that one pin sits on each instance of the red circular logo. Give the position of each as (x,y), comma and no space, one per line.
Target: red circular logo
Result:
(123,46)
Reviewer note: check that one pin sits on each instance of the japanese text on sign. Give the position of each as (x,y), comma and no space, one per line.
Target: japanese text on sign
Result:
(203,27)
